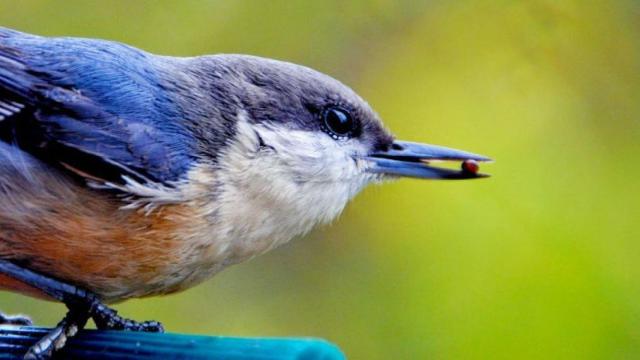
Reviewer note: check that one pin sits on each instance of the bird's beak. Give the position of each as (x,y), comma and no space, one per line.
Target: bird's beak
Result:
(412,160)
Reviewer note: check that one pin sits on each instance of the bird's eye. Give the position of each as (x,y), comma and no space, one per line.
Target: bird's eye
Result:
(338,123)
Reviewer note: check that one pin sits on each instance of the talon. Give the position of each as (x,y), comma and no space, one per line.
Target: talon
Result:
(58,336)
(106,318)
(18,320)
(153,326)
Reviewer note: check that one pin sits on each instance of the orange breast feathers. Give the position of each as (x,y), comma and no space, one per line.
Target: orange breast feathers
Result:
(83,237)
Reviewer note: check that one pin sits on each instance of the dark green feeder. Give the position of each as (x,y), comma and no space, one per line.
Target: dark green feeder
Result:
(94,344)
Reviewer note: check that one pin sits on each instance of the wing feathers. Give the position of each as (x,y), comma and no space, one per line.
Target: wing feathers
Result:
(9,108)
(57,118)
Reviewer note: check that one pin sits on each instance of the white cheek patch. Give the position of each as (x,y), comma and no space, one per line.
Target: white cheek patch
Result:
(312,156)
(296,180)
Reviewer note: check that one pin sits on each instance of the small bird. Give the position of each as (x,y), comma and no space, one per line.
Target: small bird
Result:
(125,174)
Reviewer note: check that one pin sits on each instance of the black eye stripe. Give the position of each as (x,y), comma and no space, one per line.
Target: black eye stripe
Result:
(338,123)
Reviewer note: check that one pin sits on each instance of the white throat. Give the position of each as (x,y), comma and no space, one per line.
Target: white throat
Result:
(273,193)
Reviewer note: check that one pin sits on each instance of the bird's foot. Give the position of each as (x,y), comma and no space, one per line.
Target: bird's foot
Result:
(103,316)
(55,339)
(79,313)
(82,305)
(107,318)
(19,320)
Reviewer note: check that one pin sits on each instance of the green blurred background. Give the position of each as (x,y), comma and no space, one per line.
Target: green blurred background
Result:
(540,261)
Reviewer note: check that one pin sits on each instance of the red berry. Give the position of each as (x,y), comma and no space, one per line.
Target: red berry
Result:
(470,166)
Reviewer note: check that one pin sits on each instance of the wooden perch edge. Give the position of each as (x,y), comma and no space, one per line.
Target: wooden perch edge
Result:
(98,344)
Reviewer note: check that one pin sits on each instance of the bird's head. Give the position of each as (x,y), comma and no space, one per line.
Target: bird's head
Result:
(308,141)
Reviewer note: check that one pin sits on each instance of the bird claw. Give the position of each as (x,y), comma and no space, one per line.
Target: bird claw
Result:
(107,318)
(17,320)
(56,338)
(82,305)
(104,317)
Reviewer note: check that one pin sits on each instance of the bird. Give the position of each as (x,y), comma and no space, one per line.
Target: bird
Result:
(125,174)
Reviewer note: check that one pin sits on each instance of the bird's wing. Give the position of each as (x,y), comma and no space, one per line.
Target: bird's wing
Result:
(100,119)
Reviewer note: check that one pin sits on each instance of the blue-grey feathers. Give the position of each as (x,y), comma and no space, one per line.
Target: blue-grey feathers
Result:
(92,104)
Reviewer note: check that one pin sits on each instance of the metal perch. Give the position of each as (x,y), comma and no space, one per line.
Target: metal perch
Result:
(99,344)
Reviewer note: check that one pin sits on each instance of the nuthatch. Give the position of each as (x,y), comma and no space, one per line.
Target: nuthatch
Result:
(125,174)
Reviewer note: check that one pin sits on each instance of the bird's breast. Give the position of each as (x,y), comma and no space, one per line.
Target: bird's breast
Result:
(85,237)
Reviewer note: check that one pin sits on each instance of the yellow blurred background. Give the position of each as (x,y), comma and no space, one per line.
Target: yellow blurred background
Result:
(541,261)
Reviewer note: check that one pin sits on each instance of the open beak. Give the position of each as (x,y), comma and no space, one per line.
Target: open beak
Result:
(413,160)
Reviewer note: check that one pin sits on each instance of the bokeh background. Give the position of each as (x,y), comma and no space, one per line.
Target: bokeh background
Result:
(540,261)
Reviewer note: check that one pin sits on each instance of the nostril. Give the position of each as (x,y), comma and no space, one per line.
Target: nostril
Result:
(396,146)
